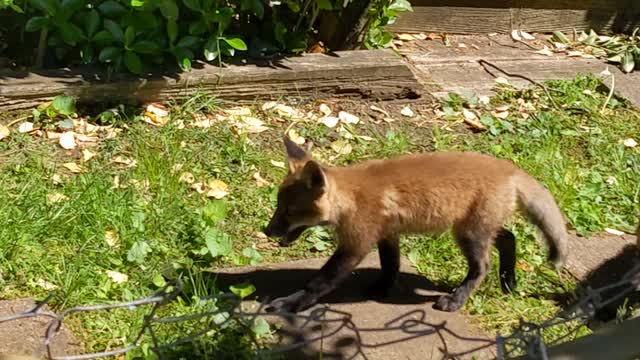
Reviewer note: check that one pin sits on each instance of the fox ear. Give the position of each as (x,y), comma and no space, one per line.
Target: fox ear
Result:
(296,156)
(313,176)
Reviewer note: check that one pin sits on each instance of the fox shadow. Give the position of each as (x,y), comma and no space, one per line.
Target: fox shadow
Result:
(274,283)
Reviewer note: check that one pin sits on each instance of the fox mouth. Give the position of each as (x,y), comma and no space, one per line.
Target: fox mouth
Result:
(292,236)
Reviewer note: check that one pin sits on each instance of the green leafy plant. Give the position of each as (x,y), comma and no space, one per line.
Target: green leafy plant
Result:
(620,49)
(62,108)
(382,14)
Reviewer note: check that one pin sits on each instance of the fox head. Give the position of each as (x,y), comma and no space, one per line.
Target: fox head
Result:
(302,197)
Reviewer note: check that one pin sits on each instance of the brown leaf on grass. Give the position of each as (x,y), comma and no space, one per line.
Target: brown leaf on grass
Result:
(25,127)
(91,138)
(377,109)
(269,105)
(630,143)
(406,111)
(124,161)
(329,121)
(347,118)
(238,111)
(56,179)
(4,131)
(67,140)
(252,125)
(187,177)
(524,266)
(46,285)
(87,154)
(73,167)
(112,238)
(472,119)
(260,181)
(341,147)
(405,37)
(116,182)
(199,187)
(279,164)
(217,189)
(500,114)
(156,114)
(56,197)
(117,277)
(325,109)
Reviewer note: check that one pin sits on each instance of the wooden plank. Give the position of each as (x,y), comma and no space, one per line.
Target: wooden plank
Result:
(472,17)
(377,75)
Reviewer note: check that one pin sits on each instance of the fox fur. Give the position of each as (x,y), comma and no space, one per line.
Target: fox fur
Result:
(374,202)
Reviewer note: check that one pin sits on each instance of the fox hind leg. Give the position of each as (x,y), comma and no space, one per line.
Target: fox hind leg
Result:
(389,252)
(475,245)
(505,241)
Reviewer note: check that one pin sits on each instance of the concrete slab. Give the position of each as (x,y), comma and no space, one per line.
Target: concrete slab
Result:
(588,254)
(405,326)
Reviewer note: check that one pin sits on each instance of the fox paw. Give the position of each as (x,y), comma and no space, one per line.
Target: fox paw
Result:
(448,303)
(289,304)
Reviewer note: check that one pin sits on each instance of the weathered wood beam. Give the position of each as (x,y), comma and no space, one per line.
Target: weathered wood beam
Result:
(376,75)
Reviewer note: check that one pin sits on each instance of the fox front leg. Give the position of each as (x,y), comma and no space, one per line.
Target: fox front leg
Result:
(337,268)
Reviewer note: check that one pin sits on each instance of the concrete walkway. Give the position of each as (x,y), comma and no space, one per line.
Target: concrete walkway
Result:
(404,327)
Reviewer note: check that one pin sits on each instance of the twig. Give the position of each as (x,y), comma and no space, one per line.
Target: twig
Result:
(541,85)
(18,120)
(611,89)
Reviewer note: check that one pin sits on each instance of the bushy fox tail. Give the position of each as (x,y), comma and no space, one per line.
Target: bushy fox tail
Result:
(543,211)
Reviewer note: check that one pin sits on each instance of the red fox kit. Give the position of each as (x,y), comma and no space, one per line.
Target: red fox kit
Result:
(374,202)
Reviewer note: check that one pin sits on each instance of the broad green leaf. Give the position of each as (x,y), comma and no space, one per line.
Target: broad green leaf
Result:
(215,211)
(103,37)
(198,27)
(325,5)
(211,50)
(70,7)
(561,37)
(66,124)
(628,63)
(615,59)
(146,47)
(158,280)
(92,23)
(70,33)
(252,254)
(137,3)
(169,9)
(137,220)
(236,43)
(280,32)
(36,23)
(297,43)
(172,30)
(132,62)
(64,104)
(183,57)
(188,42)
(138,252)
(223,16)
(261,327)
(109,54)
(140,20)
(243,289)
(115,29)
(129,36)
(112,9)
(219,244)
(192,4)
(48,6)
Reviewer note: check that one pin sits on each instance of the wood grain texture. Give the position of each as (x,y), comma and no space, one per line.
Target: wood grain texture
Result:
(472,17)
(377,75)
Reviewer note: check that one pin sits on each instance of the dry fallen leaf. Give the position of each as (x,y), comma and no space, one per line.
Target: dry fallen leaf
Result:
(472,119)
(389,120)
(260,181)
(53,135)
(4,132)
(67,140)
(124,161)
(406,111)
(25,127)
(421,36)
(279,164)
(515,35)
(501,80)
(330,121)
(116,182)
(614,231)
(55,197)
(284,110)
(91,138)
(73,167)
(158,109)
(295,137)
(176,167)
(405,37)
(187,177)
(238,111)
(484,99)
(325,109)
(46,285)
(269,105)
(526,35)
(56,179)
(217,189)
(251,125)
(347,118)
(117,277)
(500,114)
(382,111)
(545,51)
(611,180)
(156,114)
(199,187)
(468,114)
(524,266)
(111,237)
(574,53)
(630,143)
(342,147)
(462,45)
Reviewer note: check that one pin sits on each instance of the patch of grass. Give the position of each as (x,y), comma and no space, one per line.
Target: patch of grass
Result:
(164,229)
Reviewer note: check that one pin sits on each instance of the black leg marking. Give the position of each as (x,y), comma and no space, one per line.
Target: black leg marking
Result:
(389,252)
(477,253)
(334,271)
(506,244)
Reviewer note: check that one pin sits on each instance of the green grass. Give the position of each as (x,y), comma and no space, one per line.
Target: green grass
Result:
(165,229)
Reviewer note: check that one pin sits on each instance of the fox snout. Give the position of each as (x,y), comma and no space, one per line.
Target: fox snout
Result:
(278,225)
